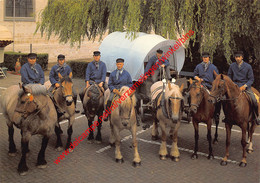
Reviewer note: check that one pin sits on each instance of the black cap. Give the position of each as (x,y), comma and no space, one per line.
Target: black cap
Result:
(159,51)
(205,54)
(120,60)
(96,53)
(238,53)
(61,57)
(32,55)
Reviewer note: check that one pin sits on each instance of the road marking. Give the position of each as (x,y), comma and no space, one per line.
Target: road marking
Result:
(3,88)
(1,113)
(122,140)
(65,121)
(233,130)
(187,150)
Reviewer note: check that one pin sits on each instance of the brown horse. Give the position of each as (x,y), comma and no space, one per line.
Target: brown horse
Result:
(122,117)
(237,111)
(93,104)
(168,113)
(63,101)
(201,111)
(34,113)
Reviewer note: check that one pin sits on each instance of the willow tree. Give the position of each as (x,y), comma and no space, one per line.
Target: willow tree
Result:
(219,26)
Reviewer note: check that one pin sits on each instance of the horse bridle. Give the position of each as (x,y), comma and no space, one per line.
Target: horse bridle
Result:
(218,98)
(198,104)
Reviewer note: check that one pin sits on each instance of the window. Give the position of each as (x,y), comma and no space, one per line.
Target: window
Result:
(24,10)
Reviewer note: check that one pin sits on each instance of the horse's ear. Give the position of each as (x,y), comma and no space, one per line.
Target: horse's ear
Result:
(181,88)
(60,76)
(70,75)
(215,73)
(221,76)
(190,81)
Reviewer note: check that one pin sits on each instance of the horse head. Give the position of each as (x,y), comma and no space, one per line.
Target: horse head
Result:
(66,88)
(175,102)
(26,103)
(126,107)
(219,88)
(92,99)
(196,95)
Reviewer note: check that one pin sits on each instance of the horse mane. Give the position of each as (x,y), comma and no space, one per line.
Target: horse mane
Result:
(175,89)
(66,78)
(36,89)
(128,99)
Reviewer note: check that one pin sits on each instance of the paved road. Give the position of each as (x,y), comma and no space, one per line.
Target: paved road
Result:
(96,163)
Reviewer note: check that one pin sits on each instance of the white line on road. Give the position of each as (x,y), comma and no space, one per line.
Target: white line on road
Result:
(65,121)
(188,150)
(223,128)
(124,139)
(3,88)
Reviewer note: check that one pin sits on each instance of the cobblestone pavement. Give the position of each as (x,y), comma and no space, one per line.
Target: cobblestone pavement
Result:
(96,162)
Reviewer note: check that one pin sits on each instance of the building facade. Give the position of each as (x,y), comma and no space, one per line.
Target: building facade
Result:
(23,27)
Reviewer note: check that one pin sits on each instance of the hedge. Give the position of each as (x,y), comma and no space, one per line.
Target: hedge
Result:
(10,58)
(78,68)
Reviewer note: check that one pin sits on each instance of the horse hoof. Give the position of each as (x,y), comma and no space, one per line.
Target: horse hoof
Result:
(242,164)
(70,150)
(210,157)
(249,151)
(136,164)
(90,141)
(12,154)
(215,141)
(163,157)
(120,161)
(194,156)
(98,141)
(42,166)
(176,159)
(223,163)
(155,137)
(58,149)
(23,173)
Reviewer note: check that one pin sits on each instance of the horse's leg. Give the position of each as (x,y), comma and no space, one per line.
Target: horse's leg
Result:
(228,135)
(137,159)
(216,119)
(41,162)
(243,143)
(99,136)
(163,150)
(196,137)
(112,138)
(118,155)
(175,154)
(250,133)
(155,132)
(91,134)
(209,123)
(22,167)
(58,146)
(69,132)
(12,148)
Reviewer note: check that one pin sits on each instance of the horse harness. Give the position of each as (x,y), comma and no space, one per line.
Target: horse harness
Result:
(166,112)
(200,87)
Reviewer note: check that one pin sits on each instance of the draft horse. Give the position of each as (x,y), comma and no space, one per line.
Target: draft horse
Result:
(65,107)
(168,106)
(237,110)
(34,113)
(122,117)
(93,104)
(202,111)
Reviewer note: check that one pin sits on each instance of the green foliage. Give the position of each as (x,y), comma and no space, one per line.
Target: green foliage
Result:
(219,26)
(10,58)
